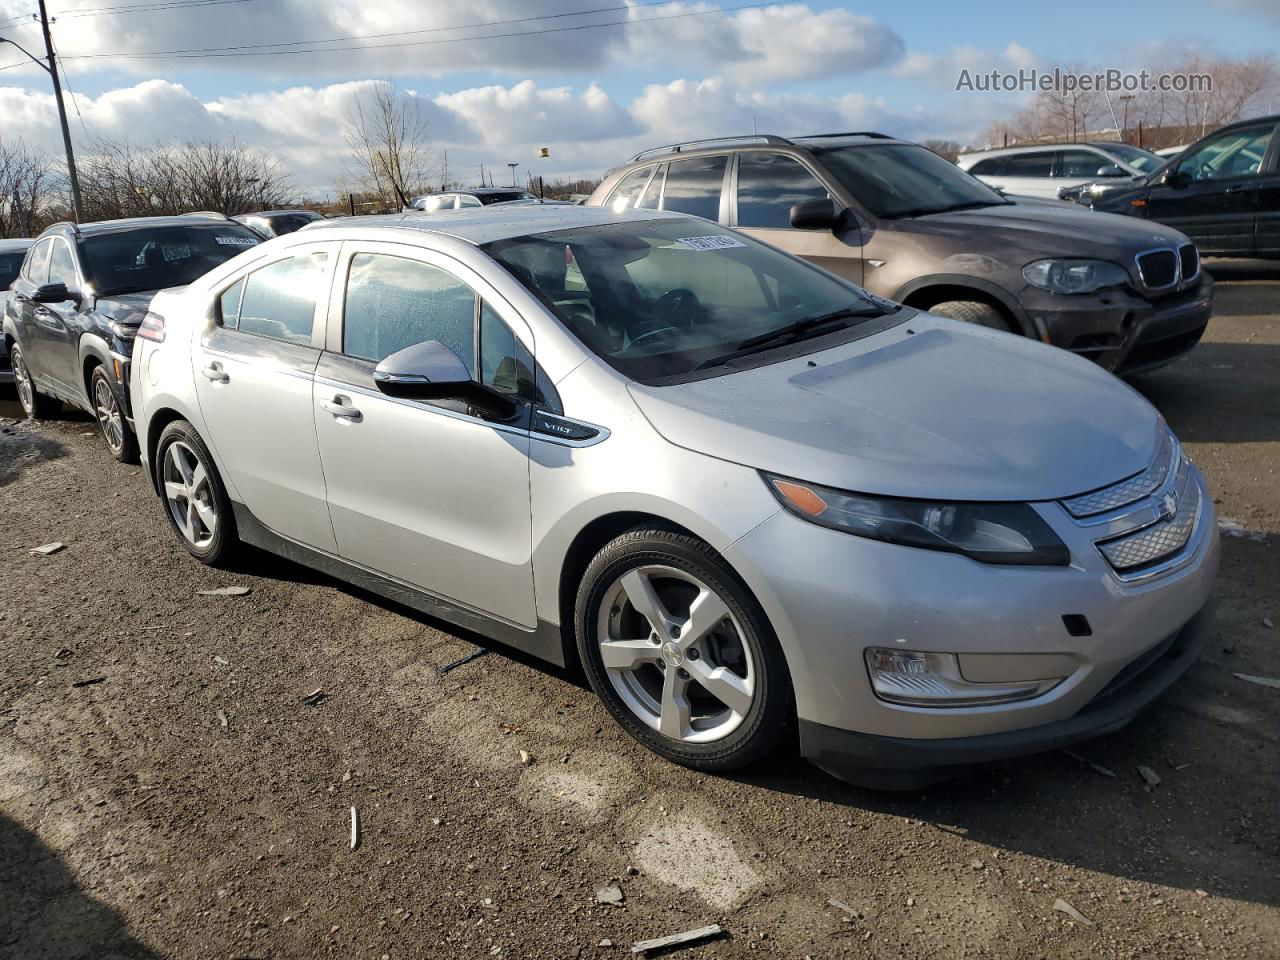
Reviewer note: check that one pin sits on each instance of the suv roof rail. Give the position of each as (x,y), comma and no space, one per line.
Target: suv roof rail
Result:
(850,133)
(209,215)
(768,138)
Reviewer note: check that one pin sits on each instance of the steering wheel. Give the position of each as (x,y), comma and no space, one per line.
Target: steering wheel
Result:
(656,332)
(680,305)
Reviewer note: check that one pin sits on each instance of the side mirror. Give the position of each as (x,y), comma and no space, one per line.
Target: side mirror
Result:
(816,214)
(431,371)
(1110,170)
(55,293)
(1173,177)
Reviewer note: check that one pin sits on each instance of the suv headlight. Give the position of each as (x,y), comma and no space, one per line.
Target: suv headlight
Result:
(1074,276)
(989,532)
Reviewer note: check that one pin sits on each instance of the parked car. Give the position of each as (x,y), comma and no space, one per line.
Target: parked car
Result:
(276,223)
(1046,170)
(1222,191)
(905,224)
(79,299)
(476,197)
(12,253)
(1167,152)
(742,493)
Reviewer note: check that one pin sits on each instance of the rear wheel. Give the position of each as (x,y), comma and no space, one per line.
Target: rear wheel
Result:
(195,500)
(973,311)
(110,413)
(680,652)
(34,403)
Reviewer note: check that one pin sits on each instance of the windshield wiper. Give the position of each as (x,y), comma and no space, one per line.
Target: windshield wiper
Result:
(792,333)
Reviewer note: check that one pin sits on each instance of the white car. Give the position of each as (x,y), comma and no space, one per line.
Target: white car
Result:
(1044,171)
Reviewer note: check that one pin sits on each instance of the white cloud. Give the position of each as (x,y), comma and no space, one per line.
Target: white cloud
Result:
(945,68)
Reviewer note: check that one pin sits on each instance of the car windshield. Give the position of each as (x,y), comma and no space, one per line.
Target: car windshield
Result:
(905,180)
(283,223)
(504,196)
(660,298)
(151,258)
(1141,160)
(10,264)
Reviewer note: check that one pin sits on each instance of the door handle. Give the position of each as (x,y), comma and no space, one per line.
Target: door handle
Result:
(215,373)
(1237,188)
(341,408)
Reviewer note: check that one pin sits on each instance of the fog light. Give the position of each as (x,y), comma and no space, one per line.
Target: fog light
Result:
(922,679)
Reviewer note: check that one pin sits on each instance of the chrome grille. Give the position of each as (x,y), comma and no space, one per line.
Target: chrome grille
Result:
(1127,491)
(1159,268)
(1166,536)
(1188,261)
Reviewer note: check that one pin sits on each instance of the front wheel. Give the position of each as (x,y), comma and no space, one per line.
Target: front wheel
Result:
(195,500)
(110,413)
(680,652)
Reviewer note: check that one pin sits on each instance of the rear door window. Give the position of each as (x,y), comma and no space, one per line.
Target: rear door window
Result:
(693,186)
(769,185)
(1030,165)
(990,167)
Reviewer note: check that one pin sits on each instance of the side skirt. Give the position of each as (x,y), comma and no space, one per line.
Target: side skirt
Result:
(544,641)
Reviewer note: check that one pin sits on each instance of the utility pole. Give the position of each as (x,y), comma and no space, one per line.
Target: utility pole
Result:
(62,113)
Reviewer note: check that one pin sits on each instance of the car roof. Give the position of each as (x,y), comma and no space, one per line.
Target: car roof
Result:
(1023,148)
(137,223)
(277,213)
(14,244)
(487,224)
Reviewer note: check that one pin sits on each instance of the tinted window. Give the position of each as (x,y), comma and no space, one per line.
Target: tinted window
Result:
(393,303)
(1080,163)
(655,298)
(279,300)
(506,196)
(769,185)
(465,200)
(37,269)
(62,266)
(899,180)
(1142,160)
(10,264)
(626,193)
(693,186)
(289,222)
(504,362)
(1030,165)
(990,167)
(151,258)
(1235,154)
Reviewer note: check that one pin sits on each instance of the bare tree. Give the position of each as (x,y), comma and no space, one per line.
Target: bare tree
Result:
(947,149)
(27,191)
(388,137)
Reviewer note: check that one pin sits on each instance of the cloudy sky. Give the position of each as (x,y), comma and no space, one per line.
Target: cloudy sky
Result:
(593,80)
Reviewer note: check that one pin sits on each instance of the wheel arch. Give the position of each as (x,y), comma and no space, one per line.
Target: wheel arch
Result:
(94,352)
(925,292)
(160,418)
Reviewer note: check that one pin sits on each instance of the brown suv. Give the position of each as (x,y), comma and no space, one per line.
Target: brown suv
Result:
(904,223)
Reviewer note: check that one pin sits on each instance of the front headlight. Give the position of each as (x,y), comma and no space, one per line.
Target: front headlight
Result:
(1074,276)
(990,532)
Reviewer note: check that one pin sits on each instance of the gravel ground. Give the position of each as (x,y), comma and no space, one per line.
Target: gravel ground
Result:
(190,805)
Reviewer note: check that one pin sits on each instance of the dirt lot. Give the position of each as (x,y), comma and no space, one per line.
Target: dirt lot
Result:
(189,805)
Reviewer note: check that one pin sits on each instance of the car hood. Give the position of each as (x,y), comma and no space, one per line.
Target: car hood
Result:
(931,408)
(1054,229)
(126,308)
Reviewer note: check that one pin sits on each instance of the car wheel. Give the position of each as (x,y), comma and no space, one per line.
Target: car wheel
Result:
(110,413)
(971,311)
(34,403)
(681,653)
(195,500)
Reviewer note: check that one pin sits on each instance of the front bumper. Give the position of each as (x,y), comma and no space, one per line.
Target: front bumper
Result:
(1119,329)
(906,764)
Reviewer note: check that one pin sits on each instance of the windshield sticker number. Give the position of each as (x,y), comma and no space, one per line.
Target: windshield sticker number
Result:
(175,251)
(236,241)
(710,243)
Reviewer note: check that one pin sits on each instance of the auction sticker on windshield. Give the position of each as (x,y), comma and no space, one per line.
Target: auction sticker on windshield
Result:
(236,241)
(710,243)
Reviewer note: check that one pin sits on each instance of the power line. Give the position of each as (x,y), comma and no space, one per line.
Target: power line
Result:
(159,7)
(219,52)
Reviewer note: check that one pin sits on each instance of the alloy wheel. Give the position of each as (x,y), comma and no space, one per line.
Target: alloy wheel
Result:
(107,409)
(675,654)
(189,495)
(22,378)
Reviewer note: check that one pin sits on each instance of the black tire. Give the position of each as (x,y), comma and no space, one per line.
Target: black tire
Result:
(113,426)
(221,547)
(34,404)
(972,311)
(771,715)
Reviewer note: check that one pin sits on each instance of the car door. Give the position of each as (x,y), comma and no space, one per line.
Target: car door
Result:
(1267,210)
(767,185)
(35,273)
(254,361)
(429,493)
(1028,175)
(1211,193)
(59,324)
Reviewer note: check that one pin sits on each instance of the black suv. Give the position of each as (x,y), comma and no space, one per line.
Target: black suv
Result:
(1223,191)
(83,291)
